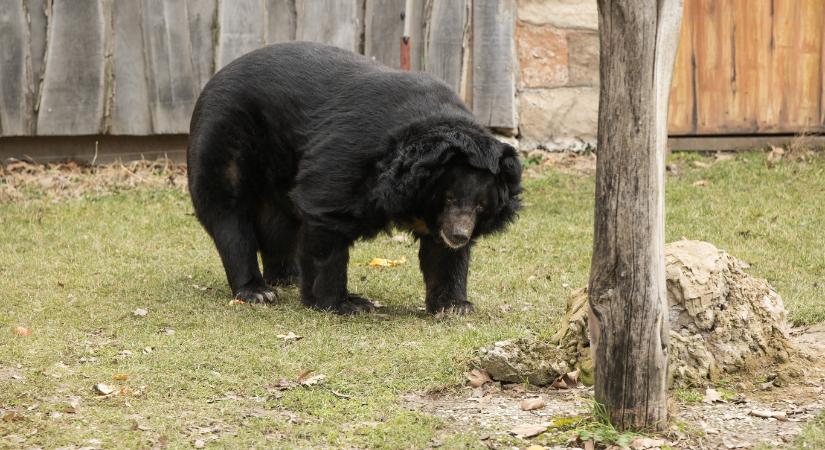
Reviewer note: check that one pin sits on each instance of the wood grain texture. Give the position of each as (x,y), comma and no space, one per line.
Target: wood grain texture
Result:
(384,27)
(73,84)
(494,63)
(749,66)
(202,16)
(242,29)
(334,22)
(281,21)
(172,85)
(15,71)
(628,322)
(447,28)
(38,26)
(130,106)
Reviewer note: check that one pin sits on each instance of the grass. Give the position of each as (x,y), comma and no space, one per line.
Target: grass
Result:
(73,272)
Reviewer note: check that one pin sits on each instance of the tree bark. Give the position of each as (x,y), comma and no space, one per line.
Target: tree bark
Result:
(628,323)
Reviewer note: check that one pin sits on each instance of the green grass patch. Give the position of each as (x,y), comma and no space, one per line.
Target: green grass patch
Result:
(73,272)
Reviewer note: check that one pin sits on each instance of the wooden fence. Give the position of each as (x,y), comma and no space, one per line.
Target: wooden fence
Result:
(135,67)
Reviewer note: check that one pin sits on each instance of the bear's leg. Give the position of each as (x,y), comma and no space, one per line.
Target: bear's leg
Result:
(234,236)
(323,258)
(445,276)
(277,236)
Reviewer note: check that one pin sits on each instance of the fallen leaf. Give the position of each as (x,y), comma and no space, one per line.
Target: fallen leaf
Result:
(282,385)
(712,396)
(700,164)
(13,416)
(120,377)
(572,378)
(559,383)
(383,262)
(124,353)
(530,404)
(535,447)
(236,301)
(199,443)
(140,312)
(478,377)
(147,350)
(766,414)
(167,331)
(528,430)
(644,443)
(314,379)
(775,155)
(22,331)
(701,183)
(104,389)
(290,337)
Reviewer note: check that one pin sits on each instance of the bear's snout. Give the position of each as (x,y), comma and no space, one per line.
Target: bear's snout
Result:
(457,228)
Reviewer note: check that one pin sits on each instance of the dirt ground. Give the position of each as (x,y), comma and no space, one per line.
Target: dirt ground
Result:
(767,407)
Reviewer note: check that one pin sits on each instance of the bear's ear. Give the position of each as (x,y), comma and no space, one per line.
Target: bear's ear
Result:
(510,168)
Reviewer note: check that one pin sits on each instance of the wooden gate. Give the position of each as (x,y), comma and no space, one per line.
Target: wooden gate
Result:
(749,67)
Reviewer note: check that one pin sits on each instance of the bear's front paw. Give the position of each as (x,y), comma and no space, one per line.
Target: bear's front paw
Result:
(354,304)
(458,308)
(256,295)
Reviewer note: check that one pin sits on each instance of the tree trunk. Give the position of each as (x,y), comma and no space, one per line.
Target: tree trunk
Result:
(628,322)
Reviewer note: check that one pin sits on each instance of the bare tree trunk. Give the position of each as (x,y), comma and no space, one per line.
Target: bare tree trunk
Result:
(628,323)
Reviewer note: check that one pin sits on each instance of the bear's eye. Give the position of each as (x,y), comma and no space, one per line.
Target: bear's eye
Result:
(450,198)
(481,206)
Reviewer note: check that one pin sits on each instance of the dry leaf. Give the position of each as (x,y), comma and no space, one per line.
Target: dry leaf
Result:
(13,417)
(700,164)
(712,396)
(22,331)
(314,379)
(140,312)
(535,447)
(236,301)
(290,337)
(478,377)
(765,414)
(644,443)
(572,378)
(104,389)
(147,350)
(701,183)
(167,331)
(775,155)
(559,383)
(120,377)
(530,404)
(383,262)
(528,430)
(199,443)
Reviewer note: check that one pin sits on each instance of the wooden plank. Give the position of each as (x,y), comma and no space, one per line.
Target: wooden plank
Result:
(130,107)
(16,109)
(172,85)
(732,143)
(38,26)
(202,15)
(384,27)
(73,84)
(241,29)
(334,22)
(494,63)
(447,29)
(681,107)
(281,18)
(100,149)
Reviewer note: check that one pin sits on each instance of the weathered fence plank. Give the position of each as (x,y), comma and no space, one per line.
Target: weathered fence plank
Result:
(201,26)
(281,17)
(241,29)
(73,84)
(384,26)
(130,108)
(38,25)
(172,89)
(448,29)
(15,72)
(494,63)
(334,22)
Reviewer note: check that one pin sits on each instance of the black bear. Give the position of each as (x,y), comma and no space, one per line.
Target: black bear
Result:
(297,150)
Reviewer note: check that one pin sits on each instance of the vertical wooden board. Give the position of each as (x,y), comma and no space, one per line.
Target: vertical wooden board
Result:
(202,16)
(494,63)
(281,17)
(752,64)
(240,29)
(172,89)
(73,84)
(446,30)
(38,24)
(418,35)
(130,107)
(714,70)
(334,22)
(15,72)
(383,30)
(680,107)
(798,49)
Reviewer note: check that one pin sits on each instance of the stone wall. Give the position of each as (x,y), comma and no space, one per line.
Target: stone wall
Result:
(558,52)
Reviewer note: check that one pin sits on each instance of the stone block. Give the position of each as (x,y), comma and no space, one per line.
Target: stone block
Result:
(559,119)
(583,58)
(542,54)
(560,13)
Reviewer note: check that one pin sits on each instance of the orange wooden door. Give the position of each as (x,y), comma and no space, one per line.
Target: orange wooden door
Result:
(749,67)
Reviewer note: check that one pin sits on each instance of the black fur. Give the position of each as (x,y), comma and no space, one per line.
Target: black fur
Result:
(296,150)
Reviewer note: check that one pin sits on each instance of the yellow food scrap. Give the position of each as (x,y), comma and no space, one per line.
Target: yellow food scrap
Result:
(383,262)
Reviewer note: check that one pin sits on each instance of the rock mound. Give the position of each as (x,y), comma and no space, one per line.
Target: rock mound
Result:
(722,321)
